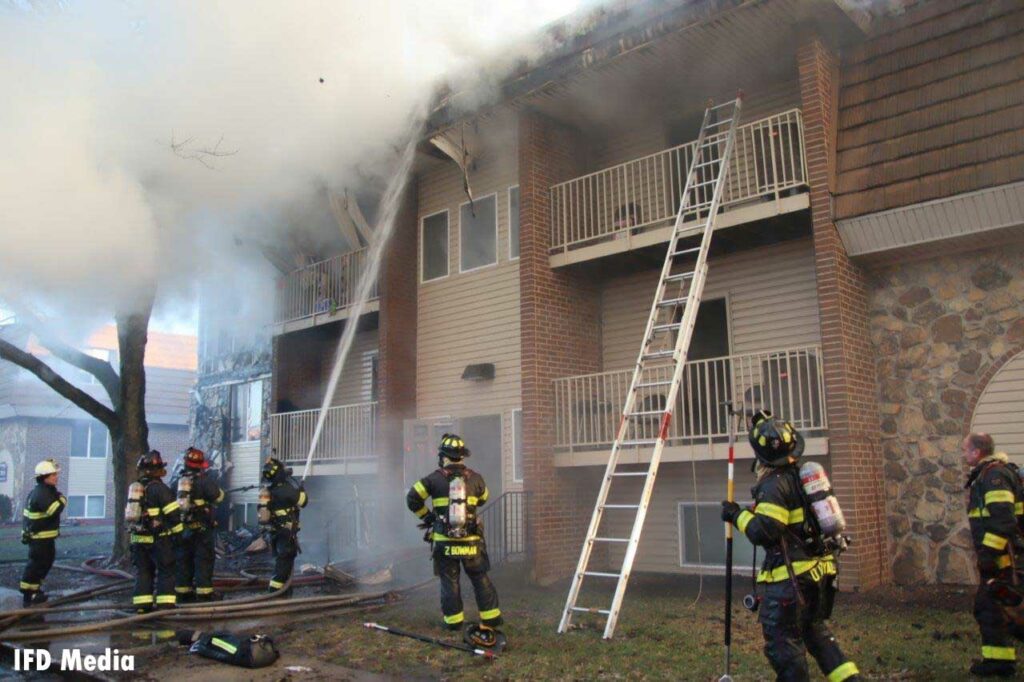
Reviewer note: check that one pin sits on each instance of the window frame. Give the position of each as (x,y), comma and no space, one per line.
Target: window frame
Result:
(90,425)
(681,537)
(447,249)
(262,416)
(509,220)
(497,248)
(517,476)
(85,506)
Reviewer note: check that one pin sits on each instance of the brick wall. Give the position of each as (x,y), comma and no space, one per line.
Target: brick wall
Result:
(44,439)
(396,381)
(560,328)
(850,389)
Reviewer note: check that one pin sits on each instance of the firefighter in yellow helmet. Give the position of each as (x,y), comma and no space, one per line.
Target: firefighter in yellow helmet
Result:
(798,575)
(281,500)
(994,496)
(455,492)
(40,528)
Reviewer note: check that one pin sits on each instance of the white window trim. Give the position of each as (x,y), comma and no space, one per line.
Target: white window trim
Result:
(705,567)
(85,507)
(514,472)
(107,448)
(509,221)
(263,416)
(497,248)
(448,240)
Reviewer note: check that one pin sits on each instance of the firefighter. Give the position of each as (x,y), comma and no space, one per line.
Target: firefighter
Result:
(154,518)
(455,491)
(198,495)
(799,570)
(280,501)
(994,492)
(41,526)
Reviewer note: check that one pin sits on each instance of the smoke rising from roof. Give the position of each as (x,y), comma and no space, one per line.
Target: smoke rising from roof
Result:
(141,139)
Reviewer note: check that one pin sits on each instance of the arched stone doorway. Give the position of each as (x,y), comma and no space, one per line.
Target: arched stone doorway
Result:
(999,410)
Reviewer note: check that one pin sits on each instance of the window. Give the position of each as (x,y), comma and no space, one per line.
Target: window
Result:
(87,506)
(513,222)
(435,247)
(89,439)
(517,446)
(705,515)
(478,233)
(245,514)
(247,411)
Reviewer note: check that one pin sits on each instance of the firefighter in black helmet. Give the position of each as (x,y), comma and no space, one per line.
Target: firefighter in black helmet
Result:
(281,498)
(799,570)
(198,494)
(994,497)
(455,491)
(155,525)
(40,528)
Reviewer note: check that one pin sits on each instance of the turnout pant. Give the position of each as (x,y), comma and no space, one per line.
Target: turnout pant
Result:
(997,630)
(195,563)
(448,558)
(790,630)
(41,554)
(286,547)
(154,568)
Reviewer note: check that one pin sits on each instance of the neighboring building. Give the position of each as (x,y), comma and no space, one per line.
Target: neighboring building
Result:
(865,277)
(37,423)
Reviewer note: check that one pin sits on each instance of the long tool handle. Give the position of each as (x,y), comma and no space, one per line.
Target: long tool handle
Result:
(430,640)
(730,495)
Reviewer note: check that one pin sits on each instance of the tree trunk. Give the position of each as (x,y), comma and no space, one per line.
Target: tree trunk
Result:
(132,437)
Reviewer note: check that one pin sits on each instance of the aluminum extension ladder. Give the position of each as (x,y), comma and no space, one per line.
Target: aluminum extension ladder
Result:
(666,343)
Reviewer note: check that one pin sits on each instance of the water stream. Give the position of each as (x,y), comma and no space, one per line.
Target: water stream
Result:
(390,203)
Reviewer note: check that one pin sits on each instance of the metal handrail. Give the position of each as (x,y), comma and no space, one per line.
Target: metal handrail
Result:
(349,433)
(321,288)
(506,525)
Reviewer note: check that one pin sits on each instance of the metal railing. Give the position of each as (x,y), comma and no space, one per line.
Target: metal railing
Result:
(321,288)
(767,161)
(790,382)
(349,433)
(506,524)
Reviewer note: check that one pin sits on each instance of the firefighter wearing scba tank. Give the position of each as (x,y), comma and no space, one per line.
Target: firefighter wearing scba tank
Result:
(40,528)
(799,524)
(994,499)
(455,491)
(280,500)
(153,516)
(198,496)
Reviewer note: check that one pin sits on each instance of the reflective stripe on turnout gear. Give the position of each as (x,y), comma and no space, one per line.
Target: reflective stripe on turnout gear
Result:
(275,585)
(44,535)
(421,512)
(204,590)
(743,519)
(440,537)
(996,496)
(457,618)
(421,489)
(440,501)
(780,514)
(221,644)
(166,599)
(28,587)
(818,568)
(999,653)
(141,539)
(993,541)
(51,510)
(183,590)
(843,672)
(490,615)
(142,599)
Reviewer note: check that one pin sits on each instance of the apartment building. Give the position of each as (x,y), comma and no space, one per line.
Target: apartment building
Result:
(864,279)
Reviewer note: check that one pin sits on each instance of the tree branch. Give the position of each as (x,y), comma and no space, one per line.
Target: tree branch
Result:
(30,362)
(103,371)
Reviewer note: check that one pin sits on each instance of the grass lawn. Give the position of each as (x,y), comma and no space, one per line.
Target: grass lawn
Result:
(662,634)
(75,542)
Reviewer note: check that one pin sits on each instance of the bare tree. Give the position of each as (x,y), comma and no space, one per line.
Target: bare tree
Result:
(125,387)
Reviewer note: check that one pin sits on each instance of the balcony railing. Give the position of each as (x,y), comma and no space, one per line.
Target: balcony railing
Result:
(349,433)
(767,162)
(588,408)
(322,288)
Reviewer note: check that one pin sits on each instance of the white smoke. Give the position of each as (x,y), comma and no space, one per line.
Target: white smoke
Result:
(138,139)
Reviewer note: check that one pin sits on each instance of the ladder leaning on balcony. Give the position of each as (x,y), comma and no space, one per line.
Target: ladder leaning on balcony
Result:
(666,343)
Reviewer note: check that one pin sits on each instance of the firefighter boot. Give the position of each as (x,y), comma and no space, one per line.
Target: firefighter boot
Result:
(992,668)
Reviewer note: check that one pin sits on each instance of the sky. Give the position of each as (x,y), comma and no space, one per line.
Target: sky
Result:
(148,140)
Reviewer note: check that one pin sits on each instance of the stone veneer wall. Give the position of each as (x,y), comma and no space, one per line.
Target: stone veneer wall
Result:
(938,327)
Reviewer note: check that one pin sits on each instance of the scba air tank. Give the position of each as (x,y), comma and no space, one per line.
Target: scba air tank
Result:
(457,507)
(133,508)
(263,508)
(185,494)
(823,503)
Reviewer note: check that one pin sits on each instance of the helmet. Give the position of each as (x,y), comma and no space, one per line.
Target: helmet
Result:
(151,461)
(775,441)
(274,470)
(47,467)
(196,459)
(452,447)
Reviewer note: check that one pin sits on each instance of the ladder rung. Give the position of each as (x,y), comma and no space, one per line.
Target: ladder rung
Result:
(679,277)
(599,574)
(718,123)
(646,413)
(672,301)
(713,162)
(629,473)
(653,384)
(611,539)
(620,506)
(633,443)
(686,251)
(658,354)
(584,609)
(667,327)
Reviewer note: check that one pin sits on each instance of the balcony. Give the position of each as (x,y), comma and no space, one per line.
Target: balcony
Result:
(321,292)
(347,444)
(634,204)
(588,408)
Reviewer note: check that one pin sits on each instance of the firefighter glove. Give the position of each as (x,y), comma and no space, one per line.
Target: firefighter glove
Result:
(428,520)
(730,510)
(25,537)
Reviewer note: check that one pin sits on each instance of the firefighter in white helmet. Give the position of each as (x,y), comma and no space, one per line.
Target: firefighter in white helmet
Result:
(41,526)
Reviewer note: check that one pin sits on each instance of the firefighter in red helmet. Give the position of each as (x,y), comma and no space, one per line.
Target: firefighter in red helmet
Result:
(198,495)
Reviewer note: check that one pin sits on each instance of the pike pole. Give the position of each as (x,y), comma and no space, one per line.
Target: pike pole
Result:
(730,495)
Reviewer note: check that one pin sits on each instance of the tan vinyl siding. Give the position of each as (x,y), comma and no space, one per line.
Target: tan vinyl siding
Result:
(473,317)
(770,308)
(88,476)
(1000,407)
(356,382)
